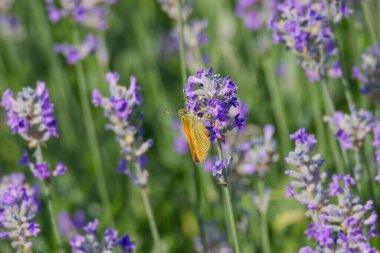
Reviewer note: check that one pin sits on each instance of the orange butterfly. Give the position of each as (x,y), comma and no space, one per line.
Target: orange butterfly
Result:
(197,135)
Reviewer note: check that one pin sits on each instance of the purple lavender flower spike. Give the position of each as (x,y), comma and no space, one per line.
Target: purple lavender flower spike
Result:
(352,129)
(90,14)
(171,8)
(255,13)
(211,98)
(60,169)
(90,242)
(75,53)
(304,27)
(339,220)
(125,121)
(30,114)
(10,26)
(127,245)
(369,73)
(18,208)
(215,240)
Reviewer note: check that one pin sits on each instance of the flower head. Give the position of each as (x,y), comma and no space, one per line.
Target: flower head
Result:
(171,8)
(18,207)
(121,108)
(352,129)
(91,14)
(75,53)
(339,220)
(215,240)
(304,27)
(211,98)
(90,242)
(369,73)
(30,114)
(255,13)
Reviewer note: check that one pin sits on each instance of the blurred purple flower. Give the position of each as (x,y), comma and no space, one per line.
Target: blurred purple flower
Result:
(304,27)
(352,129)
(76,53)
(369,73)
(256,13)
(90,14)
(91,243)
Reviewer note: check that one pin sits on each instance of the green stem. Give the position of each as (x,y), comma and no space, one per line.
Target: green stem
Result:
(330,109)
(264,221)
(228,205)
(198,207)
(368,18)
(152,222)
(91,135)
(182,44)
(278,106)
(148,209)
(370,176)
(49,202)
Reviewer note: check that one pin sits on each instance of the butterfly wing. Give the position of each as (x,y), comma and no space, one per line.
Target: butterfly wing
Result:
(197,136)
(201,140)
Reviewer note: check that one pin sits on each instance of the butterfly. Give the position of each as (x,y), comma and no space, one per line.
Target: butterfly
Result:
(197,135)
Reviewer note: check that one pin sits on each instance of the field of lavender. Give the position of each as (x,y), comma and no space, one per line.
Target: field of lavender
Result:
(211,126)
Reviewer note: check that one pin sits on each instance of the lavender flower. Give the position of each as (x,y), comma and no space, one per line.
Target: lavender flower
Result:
(91,243)
(125,121)
(376,142)
(30,114)
(340,223)
(307,177)
(352,129)
(369,73)
(255,13)
(211,98)
(10,27)
(69,225)
(91,14)
(171,8)
(256,152)
(216,241)
(76,53)
(40,169)
(305,29)
(18,207)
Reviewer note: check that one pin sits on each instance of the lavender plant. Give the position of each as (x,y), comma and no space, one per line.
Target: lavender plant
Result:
(305,29)
(193,32)
(92,15)
(90,242)
(368,73)
(30,114)
(10,27)
(340,222)
(18,210)
(121,108)
(215,241)
(210,98)
(255,13)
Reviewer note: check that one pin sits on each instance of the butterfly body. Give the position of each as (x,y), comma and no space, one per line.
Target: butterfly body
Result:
(197,135)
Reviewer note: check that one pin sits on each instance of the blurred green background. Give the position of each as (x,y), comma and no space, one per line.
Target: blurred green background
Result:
(133,43)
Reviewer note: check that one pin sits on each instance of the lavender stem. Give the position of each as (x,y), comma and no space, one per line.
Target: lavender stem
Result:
(264,221)
(91,135)
(228,205)
(149,212)
(49,202)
